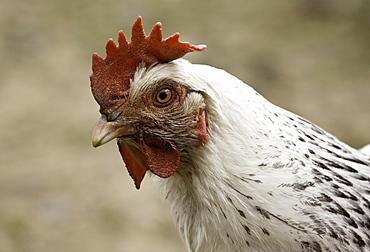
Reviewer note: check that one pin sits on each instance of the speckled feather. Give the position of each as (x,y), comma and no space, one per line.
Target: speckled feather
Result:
(267,179)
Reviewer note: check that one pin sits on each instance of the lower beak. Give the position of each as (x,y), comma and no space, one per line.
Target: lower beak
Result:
(105,131)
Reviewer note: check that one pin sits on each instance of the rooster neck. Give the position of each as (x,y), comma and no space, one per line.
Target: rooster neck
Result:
(267,180)
(217,200)
(253,192)
(220,210)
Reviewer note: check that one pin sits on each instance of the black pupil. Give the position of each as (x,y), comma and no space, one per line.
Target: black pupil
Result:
(163,95)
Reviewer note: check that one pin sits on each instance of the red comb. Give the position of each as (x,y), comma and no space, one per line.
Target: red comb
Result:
(110,80)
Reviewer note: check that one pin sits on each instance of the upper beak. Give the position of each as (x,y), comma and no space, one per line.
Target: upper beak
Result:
(105,131)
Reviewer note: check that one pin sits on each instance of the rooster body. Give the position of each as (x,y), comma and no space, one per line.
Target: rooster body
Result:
(239,173)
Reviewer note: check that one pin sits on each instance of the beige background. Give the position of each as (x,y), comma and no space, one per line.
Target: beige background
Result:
(57,193)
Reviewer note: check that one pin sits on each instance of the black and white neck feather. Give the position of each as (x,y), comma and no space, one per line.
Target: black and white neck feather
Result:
(267,179)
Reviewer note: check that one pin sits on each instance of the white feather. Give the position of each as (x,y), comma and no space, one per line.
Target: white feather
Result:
(366,149)
(259,183)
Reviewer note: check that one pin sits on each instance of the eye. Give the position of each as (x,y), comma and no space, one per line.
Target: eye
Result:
(163,96)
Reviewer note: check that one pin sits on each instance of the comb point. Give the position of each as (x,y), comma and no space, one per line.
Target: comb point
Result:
(96,56)
(97,62)
(200,47)
(122,41)
(138,33)
(111,48)
(174,39)
(156,33)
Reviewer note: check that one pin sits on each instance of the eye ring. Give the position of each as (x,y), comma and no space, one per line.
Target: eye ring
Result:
(163,96)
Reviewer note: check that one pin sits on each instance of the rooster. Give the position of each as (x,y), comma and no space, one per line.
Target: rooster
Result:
(239,173)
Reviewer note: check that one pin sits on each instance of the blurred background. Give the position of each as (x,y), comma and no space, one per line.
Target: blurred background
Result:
(58,193)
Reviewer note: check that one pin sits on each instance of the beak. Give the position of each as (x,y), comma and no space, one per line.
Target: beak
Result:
(105,131)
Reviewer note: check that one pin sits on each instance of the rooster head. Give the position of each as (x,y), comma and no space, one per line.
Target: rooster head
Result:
(145,119)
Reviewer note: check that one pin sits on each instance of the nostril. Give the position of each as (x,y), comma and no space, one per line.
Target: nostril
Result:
(113,116)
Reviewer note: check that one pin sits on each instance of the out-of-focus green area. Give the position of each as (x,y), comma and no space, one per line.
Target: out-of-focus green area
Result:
(57,193)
